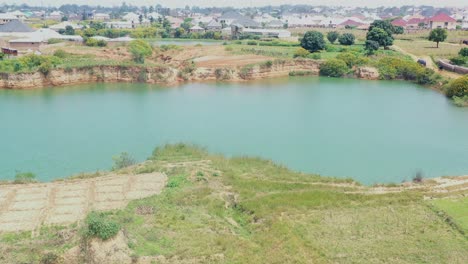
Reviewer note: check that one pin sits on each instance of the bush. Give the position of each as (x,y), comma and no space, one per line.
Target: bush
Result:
(332,36)
(300,73)
(460,60)
(463,52)
(140,50)
(301,53)
(252,43)
(60,53)
(371,46)
(458,87)
(333,68)
(122,161)
(91,42)
(396,68)
(50,258)
(346,39)
(98,225)
(24,177)
(313,41)
(314,56)
(54,41)
(349,58)
(45,67)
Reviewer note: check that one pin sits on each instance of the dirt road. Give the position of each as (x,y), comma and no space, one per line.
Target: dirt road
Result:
(27,207)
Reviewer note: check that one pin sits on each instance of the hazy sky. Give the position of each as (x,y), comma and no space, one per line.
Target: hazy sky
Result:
(237,3)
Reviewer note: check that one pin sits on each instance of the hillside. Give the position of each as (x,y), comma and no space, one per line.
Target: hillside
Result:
(248,210)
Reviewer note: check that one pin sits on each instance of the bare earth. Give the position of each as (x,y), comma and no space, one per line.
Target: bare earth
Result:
(27,207)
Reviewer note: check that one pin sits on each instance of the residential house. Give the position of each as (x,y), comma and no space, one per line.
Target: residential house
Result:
(6,17)
(101,17)
(267,33)
(399,22)
(14,28)
(235,18)
(214,25)
(275,24)
(55,15)
(120,24)
(64,25)
(442,20)
(196,29)
(350,23)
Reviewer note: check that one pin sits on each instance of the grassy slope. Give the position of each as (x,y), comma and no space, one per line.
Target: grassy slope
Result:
(247,210)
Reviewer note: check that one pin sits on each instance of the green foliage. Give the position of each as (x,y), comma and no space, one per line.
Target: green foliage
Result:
(380,36)
(252,43)
(332,36)
(399,30)
(385,25)
(69,30)
(463,52)
(313,41)
(24,177)
(99,225)
(460,60)
(346,39)
(50,258)
(54,41)
(458,87)
(300,73)
(371,46)
(438,35)
(314,56)
(140,50)
(31,62)
(45,67)
(122,161)
(60,53)
(351,59)
(333,68)
(397,68)
(91,42)
(301,53)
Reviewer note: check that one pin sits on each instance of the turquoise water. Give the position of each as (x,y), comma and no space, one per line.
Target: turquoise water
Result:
(369,130)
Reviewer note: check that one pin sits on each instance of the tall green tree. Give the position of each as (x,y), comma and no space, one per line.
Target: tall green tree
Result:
(380,36)
(332,36)
(313,41)
(140,50)
(438,35)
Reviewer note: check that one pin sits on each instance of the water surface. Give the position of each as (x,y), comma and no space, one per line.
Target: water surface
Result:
(372,131)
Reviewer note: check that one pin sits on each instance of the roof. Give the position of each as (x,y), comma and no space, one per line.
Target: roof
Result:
(196,28)
(15,26)
(442,17)
(245,22)
(350,22)
(399,22)
(7,16)
(415,20)
(64,24)
(214,24)
(231,15)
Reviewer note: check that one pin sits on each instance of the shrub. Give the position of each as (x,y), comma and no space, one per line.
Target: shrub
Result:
(301,53)
(91,42)
(371,46)
(98,225)
(463,52)
(24,177)
(50,258)
(458,87)
(300,73)
(313,41)
(122,161)
(332,36)
(396,68)
(349,58)
(139,50)
(346,39)
(60,53)
(333,68)
(252,43)
(45,67)
(314,56)
(54,41)
(460,60)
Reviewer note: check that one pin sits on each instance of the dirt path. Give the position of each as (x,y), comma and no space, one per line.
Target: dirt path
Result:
(27,207)
(429,63)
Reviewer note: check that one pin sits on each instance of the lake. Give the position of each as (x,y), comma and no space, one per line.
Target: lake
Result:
(372,131)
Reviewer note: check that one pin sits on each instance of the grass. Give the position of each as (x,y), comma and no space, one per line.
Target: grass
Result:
(457,209)
(250,210)
(428,48)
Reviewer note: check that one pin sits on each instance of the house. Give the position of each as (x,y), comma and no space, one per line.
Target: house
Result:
(235,18)
(399,23)
(35,40)
(414,23)
(196,29)
(175,22)
(13,27)
(120,24)
(267,33)
(442,20)
(6,17)
(101,16)
(19,15)
(214,25)
(350,23)
(275,24)
(56,15)
(64,25)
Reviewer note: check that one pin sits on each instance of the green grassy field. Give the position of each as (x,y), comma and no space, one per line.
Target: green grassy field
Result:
(248,210)
(456,209)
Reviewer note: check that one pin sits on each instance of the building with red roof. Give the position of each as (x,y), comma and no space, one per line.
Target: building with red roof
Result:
(350,23)
(442,20)
(399,22)
(414,23)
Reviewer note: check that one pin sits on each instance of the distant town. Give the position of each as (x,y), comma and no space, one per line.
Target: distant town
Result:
(26,27)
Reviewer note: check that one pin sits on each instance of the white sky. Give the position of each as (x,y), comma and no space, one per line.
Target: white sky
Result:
(242,3)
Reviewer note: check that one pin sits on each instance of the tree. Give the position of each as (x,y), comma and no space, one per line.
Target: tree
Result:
(140,19)
(64,18)
(139,50)
(301,53)
(458,87)
(333,68)
(332,36)
(380,36)
(69,30)
(438,35)
(383,24)
(463,52)
(179,32)
(399,30)
(346,39)
(371,46)
(313,41)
